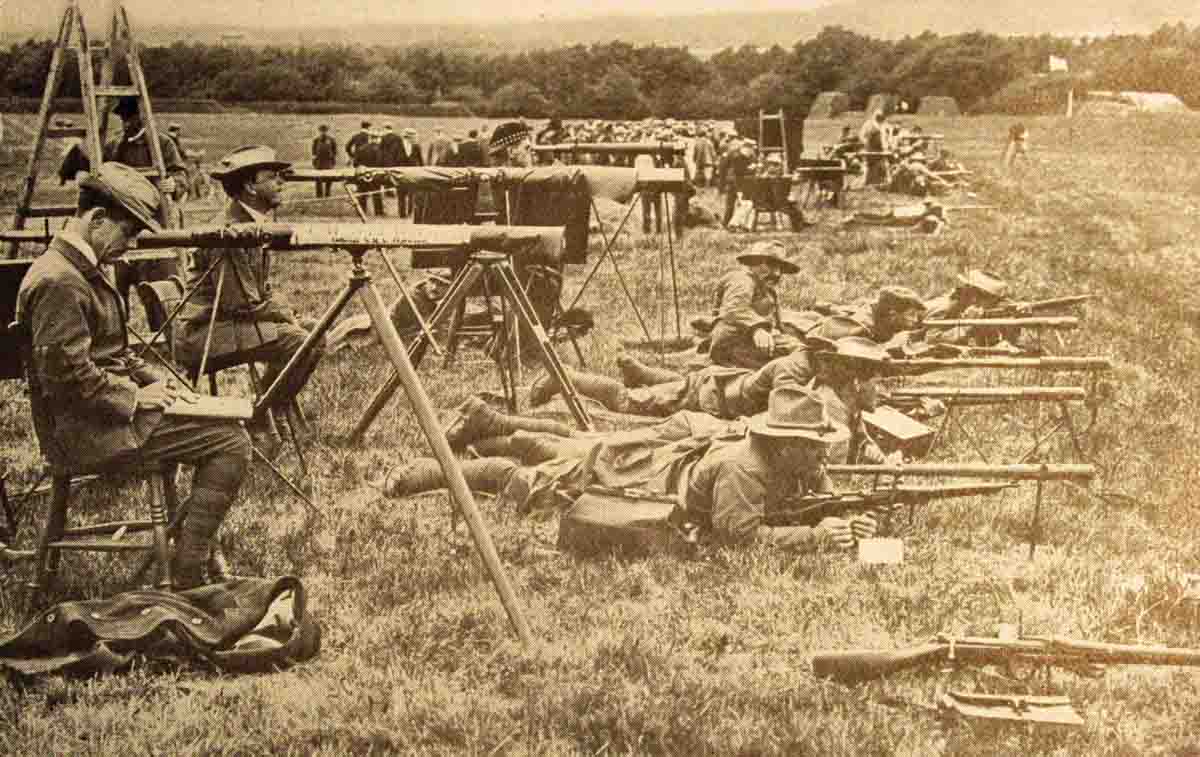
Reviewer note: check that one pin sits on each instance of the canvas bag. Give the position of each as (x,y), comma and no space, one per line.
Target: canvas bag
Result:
(603,522)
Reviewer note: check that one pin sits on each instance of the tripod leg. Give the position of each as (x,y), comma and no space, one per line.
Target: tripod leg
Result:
(526,315)
(422,407)
(457,293)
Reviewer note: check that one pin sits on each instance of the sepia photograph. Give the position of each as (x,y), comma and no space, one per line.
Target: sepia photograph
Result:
(598,377)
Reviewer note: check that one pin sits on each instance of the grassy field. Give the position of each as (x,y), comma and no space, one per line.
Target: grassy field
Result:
(709,655)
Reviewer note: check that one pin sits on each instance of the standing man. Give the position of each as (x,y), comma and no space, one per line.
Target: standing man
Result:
(704,155)
(872,135)
(94,402)
(360,138)
(748,331)
(735,165)
(469,151)
(409,155)
(250,324)
(370,155)
(324,156)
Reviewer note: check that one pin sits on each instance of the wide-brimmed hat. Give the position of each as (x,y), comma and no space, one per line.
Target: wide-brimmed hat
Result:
(246,158)
(129,189)
(797,413)
(768,252)
(856,350)
(898,298)
(988,283)
(508,134)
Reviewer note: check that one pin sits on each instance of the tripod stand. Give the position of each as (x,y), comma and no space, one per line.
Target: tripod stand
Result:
(406,375)
(491,268)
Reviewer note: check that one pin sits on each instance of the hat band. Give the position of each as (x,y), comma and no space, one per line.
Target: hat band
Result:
(823,427)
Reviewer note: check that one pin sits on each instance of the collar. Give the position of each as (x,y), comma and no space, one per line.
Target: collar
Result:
(80,245)
(255,216)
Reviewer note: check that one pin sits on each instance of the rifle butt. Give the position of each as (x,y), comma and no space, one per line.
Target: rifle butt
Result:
(856,666)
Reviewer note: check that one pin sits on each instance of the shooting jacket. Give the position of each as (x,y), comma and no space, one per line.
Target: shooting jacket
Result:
(83,376)
(742,305)
(731,488)
(247,315)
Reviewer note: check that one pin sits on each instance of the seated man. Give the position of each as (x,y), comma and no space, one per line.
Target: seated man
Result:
(251,325)
(747,332)
(98,403)
(725,478)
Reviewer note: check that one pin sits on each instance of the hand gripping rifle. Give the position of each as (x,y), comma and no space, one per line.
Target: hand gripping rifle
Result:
(1082,657)
(1054,304)
(809,509)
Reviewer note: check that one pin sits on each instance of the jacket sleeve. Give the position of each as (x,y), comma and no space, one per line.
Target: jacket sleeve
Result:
(737,514)
(58,321)
(737,298)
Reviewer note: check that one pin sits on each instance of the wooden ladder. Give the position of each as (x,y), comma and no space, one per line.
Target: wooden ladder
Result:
(72,38)
(766,135)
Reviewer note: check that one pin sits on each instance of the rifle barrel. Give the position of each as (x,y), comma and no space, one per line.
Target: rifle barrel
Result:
(803,509)
(1037,363)
(990,394)
(1015,471)
(1042,322)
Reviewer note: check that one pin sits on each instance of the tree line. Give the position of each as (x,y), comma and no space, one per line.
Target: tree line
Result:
(617,80)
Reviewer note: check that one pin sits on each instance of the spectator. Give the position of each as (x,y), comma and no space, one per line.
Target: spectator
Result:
(324,156)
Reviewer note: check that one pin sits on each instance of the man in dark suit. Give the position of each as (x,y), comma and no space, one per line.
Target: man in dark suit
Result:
(324,155)
(360,138)
(469,151)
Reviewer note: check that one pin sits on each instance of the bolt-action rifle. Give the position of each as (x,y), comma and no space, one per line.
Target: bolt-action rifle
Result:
(1083,657)
(1054,304)
(809,509)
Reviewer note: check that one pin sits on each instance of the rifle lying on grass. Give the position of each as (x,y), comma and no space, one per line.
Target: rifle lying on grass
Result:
(1083,657)
(809,509)
(1034,307)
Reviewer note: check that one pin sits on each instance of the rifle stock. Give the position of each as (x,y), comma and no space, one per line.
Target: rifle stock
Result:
(1033,322)
(860,665)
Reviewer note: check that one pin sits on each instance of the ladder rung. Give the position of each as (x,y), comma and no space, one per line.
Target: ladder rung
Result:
(51,211)
(100,545)
(77,131)
(116,91)
(99,529)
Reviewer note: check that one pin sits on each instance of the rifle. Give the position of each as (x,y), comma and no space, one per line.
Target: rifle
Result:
(1037,306)
(808,509)
(925,365)
(539,244)
(982,395)
(1044,322)
(1013,472)
(1084,657)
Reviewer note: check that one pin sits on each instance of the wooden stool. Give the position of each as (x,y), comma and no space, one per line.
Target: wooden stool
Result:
(57,537)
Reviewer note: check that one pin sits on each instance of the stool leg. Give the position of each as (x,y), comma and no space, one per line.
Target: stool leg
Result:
(158,516)
(46,562)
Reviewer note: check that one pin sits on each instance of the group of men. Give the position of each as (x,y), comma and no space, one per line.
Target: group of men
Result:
(776,394)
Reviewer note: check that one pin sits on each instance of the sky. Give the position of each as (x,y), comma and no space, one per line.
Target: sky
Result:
(26,14)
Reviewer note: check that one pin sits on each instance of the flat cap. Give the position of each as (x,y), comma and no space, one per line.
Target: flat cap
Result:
(127,188)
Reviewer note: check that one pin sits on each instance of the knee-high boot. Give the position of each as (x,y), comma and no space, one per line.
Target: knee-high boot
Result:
(635,373)
(608,392)
(487,474)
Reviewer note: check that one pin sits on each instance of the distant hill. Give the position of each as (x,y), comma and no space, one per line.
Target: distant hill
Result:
(708,33)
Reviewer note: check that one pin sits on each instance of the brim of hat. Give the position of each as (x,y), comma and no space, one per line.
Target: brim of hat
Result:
(758,425)
(278,165)
(145,219)
(964,281)
(750,258)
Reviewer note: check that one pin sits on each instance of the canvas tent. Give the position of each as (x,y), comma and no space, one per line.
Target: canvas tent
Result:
(936,105)
(829,105)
